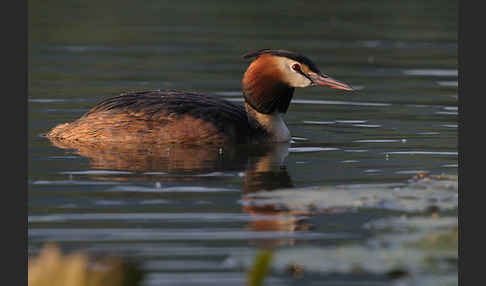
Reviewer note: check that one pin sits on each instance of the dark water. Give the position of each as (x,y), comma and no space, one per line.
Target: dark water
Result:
(190,216)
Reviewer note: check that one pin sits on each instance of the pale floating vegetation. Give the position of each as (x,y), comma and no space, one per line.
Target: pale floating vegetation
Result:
(420,257)
(420,194)
(419,250)
(419,247)
(410,250)
(412,262)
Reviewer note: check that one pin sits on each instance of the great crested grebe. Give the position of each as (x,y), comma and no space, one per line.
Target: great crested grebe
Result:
(156,117)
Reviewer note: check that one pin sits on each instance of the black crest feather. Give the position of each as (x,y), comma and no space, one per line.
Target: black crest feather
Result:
(283,53)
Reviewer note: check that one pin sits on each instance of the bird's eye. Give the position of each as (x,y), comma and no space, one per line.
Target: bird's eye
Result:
(296,67)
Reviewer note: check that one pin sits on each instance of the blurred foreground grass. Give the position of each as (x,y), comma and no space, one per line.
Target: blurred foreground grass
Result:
(52,268)
(260,268)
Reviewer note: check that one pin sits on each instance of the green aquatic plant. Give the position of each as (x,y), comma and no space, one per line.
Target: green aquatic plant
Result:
(260,268)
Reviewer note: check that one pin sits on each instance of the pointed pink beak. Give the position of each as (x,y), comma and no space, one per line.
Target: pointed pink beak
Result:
(324,80)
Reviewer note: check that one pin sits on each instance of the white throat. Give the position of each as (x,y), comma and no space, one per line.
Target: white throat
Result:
(273,124)
(277,127)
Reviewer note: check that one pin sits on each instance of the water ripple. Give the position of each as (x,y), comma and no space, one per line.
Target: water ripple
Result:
(158,188)
(311,149)
(186,217)
(424,153)
(155,234)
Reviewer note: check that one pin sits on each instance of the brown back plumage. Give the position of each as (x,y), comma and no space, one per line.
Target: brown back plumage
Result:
(159,117)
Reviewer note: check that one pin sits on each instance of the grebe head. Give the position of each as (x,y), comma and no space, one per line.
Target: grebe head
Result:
(269,81)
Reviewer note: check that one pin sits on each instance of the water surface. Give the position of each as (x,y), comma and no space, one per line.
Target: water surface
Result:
(198,216)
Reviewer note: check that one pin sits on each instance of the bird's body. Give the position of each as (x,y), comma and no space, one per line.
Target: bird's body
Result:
(163,117)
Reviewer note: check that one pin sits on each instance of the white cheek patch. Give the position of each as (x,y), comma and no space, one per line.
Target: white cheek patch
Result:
(300,81)
(290,76)
(294,78)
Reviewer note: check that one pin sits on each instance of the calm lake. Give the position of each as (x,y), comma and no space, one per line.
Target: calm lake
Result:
(339,201)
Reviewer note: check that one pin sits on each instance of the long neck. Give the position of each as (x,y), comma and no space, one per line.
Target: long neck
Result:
(271,126)
(266,97)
